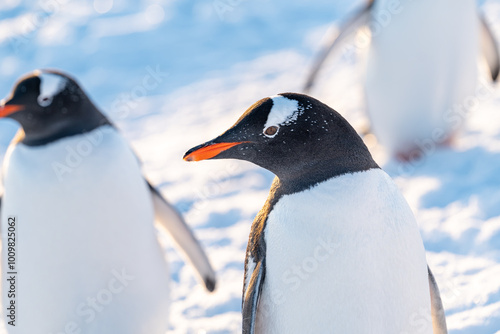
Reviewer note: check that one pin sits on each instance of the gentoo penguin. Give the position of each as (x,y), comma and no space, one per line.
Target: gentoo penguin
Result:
(336,248)
(422,68)
(80,252)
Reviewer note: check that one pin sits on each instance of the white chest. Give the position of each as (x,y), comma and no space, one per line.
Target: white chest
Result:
(76,185)
(84,214)
(344,257)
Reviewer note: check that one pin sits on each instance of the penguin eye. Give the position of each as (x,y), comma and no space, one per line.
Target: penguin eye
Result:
(44,101)
(271,131)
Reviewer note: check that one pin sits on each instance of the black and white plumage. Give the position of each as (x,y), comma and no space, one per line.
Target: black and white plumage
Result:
(336,248)
(88,253)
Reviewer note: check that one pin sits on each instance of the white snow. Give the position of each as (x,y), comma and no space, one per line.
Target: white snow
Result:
(218,64)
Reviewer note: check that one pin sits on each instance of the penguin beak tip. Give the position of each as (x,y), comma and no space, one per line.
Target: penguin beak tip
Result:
(208,151)
(6,110)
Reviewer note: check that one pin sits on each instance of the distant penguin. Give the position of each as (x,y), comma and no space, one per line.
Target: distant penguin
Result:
(79,250)
(422,69)
(336,248)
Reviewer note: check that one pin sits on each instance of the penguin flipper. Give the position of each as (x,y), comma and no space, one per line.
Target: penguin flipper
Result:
(437,310)
(251,298)
(489,48)
(336,37)
(168,217)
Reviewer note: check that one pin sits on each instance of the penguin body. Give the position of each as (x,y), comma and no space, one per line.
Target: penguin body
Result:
(88,258)
(421,66)
(336,247)
(422,69)
(347,248)
(90,226)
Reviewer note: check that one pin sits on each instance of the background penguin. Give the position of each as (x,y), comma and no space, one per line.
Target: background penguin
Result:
(88,257)
(422,68)
(336,248)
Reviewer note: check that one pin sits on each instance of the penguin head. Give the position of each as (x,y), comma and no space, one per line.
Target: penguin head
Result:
(49,105)
(291,135)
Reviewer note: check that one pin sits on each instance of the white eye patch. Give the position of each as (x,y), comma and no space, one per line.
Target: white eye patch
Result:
(283,111)
(50,86)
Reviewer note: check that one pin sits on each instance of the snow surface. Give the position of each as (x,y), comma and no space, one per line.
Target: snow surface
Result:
(173,74)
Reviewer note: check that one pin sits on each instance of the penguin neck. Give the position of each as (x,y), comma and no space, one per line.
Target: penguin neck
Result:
(40,133)
(306,175)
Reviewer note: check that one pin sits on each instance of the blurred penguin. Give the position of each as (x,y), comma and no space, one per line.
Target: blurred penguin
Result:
(77,220)
(422,68)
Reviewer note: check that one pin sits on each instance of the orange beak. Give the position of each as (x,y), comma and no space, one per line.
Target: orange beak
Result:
(6,110)
(209,151)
